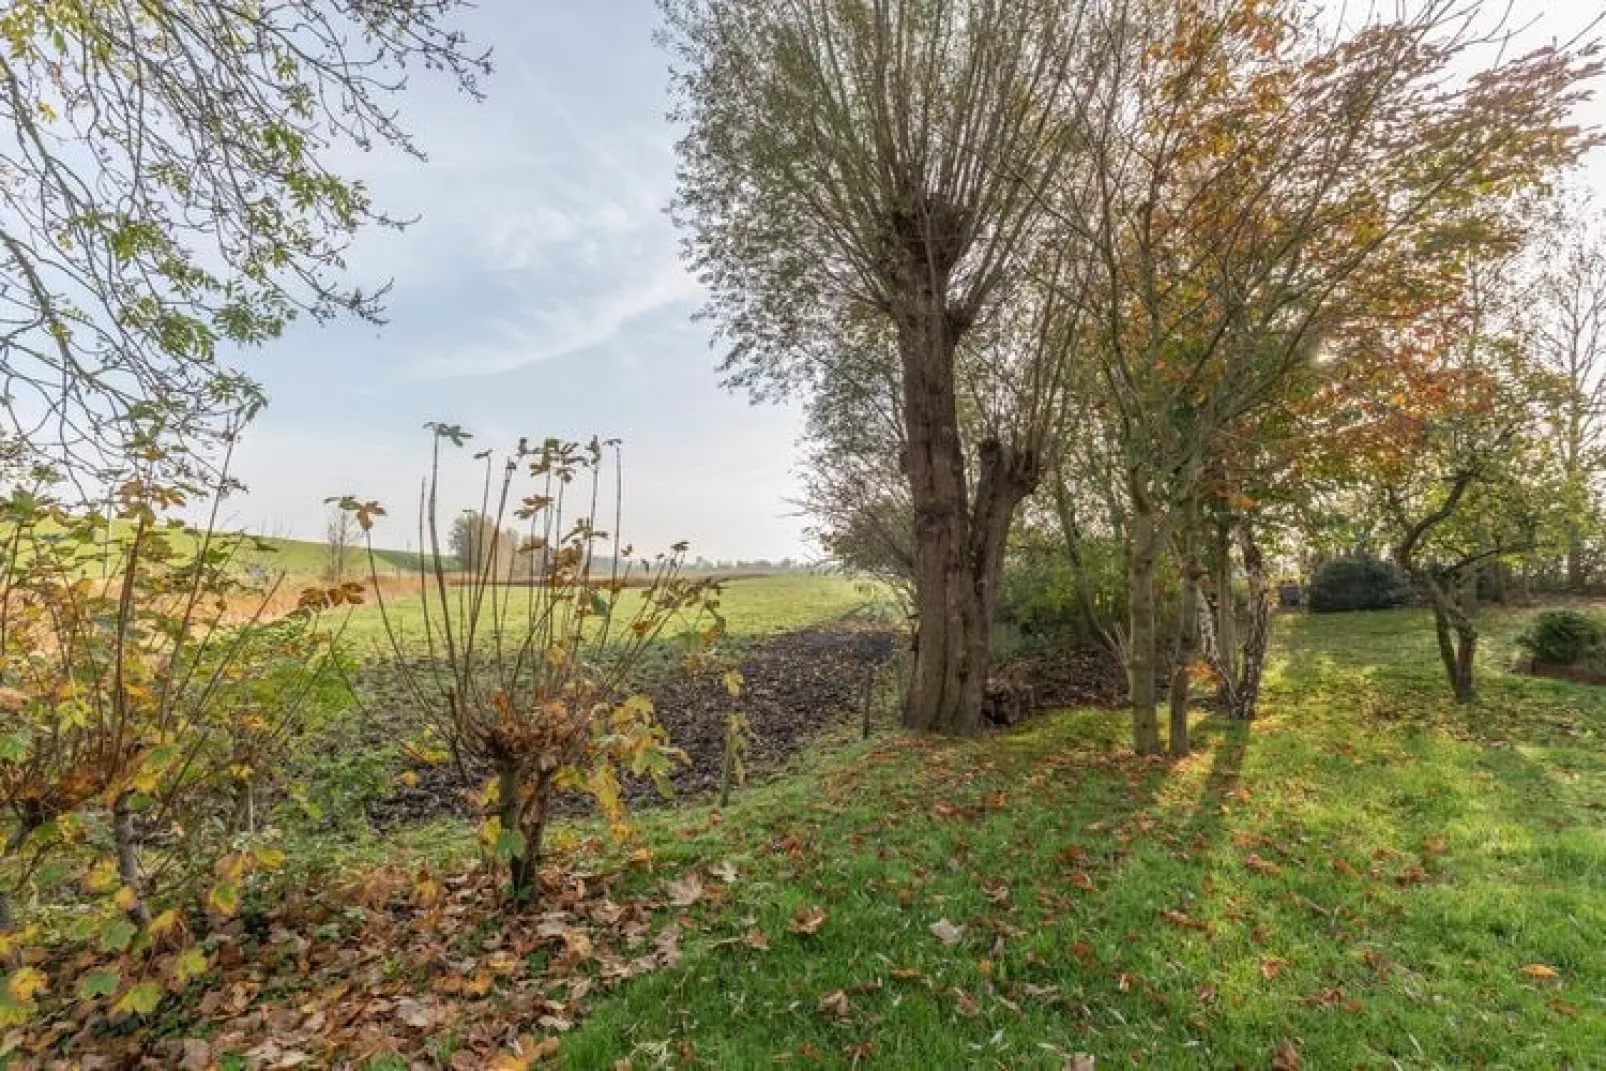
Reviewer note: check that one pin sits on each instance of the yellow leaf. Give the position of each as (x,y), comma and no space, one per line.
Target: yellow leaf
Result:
(25,982)
(126,899)
(224,897)
(269,858)
(101,877)
(190,963)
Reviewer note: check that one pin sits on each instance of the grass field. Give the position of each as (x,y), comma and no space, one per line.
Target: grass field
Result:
(1369,876)
(295,557)
(752,606)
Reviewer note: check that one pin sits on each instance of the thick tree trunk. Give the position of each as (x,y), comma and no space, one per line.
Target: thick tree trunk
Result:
(959,547)
(1142,634)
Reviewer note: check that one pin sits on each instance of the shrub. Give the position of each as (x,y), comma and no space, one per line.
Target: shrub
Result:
(533,680)
(1345,584)
(1040,608)
(146,700)
(1563,637)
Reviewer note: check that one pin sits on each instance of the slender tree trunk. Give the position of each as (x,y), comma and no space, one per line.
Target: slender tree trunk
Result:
(1187,648)
(1457,635)
(128,856)
(1225,619)
(1465,657)
(512,813)
(1575,560)
(1257,634)
(1142,634)
(1106,634)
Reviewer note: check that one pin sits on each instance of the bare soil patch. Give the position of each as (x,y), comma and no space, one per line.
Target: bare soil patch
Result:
(797,686)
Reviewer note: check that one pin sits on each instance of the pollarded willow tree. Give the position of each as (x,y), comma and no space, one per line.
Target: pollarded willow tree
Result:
(886,161)
(166,190)
(1251,165)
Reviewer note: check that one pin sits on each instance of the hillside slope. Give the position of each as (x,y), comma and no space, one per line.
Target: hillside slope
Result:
(1366,876)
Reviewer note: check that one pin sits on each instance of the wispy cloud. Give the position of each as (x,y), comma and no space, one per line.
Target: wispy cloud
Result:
(548,330)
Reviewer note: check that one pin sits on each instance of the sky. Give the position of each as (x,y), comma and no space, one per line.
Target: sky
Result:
(540,292)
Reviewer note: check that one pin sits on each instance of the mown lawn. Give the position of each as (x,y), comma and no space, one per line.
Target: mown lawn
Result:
(1369,875)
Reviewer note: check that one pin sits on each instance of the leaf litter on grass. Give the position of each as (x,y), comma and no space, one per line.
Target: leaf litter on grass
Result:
(349,973)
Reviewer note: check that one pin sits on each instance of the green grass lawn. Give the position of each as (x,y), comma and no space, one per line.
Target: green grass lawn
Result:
(1368,876)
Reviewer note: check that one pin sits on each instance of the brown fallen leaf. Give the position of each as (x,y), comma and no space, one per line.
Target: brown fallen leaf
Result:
(724,871)
(756,940)
(1272,966)
(947,932)
(835,1005)
(685,891)
(966,1004)
(1186,921)
(526,1053)
(1082,880)
(1538,970)
(808,920)
(1286,1058)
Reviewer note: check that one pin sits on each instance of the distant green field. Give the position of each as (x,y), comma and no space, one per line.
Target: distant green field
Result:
(298,556)
(753,606)
(306,556)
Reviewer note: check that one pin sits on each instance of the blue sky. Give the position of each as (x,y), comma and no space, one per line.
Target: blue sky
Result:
(541,293)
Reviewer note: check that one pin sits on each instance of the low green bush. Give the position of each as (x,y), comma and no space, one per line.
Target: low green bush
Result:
(1345,584)
(1564,638)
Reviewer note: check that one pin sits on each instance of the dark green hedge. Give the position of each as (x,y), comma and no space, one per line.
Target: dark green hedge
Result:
(1345,584)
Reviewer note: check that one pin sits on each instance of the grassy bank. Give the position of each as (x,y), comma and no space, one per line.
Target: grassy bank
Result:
(1369,875)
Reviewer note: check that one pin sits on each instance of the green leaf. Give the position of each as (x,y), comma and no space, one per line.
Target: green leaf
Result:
(140,999)
(510,844)
(116,935)
(12,1011)
(101,983)
(14,746)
